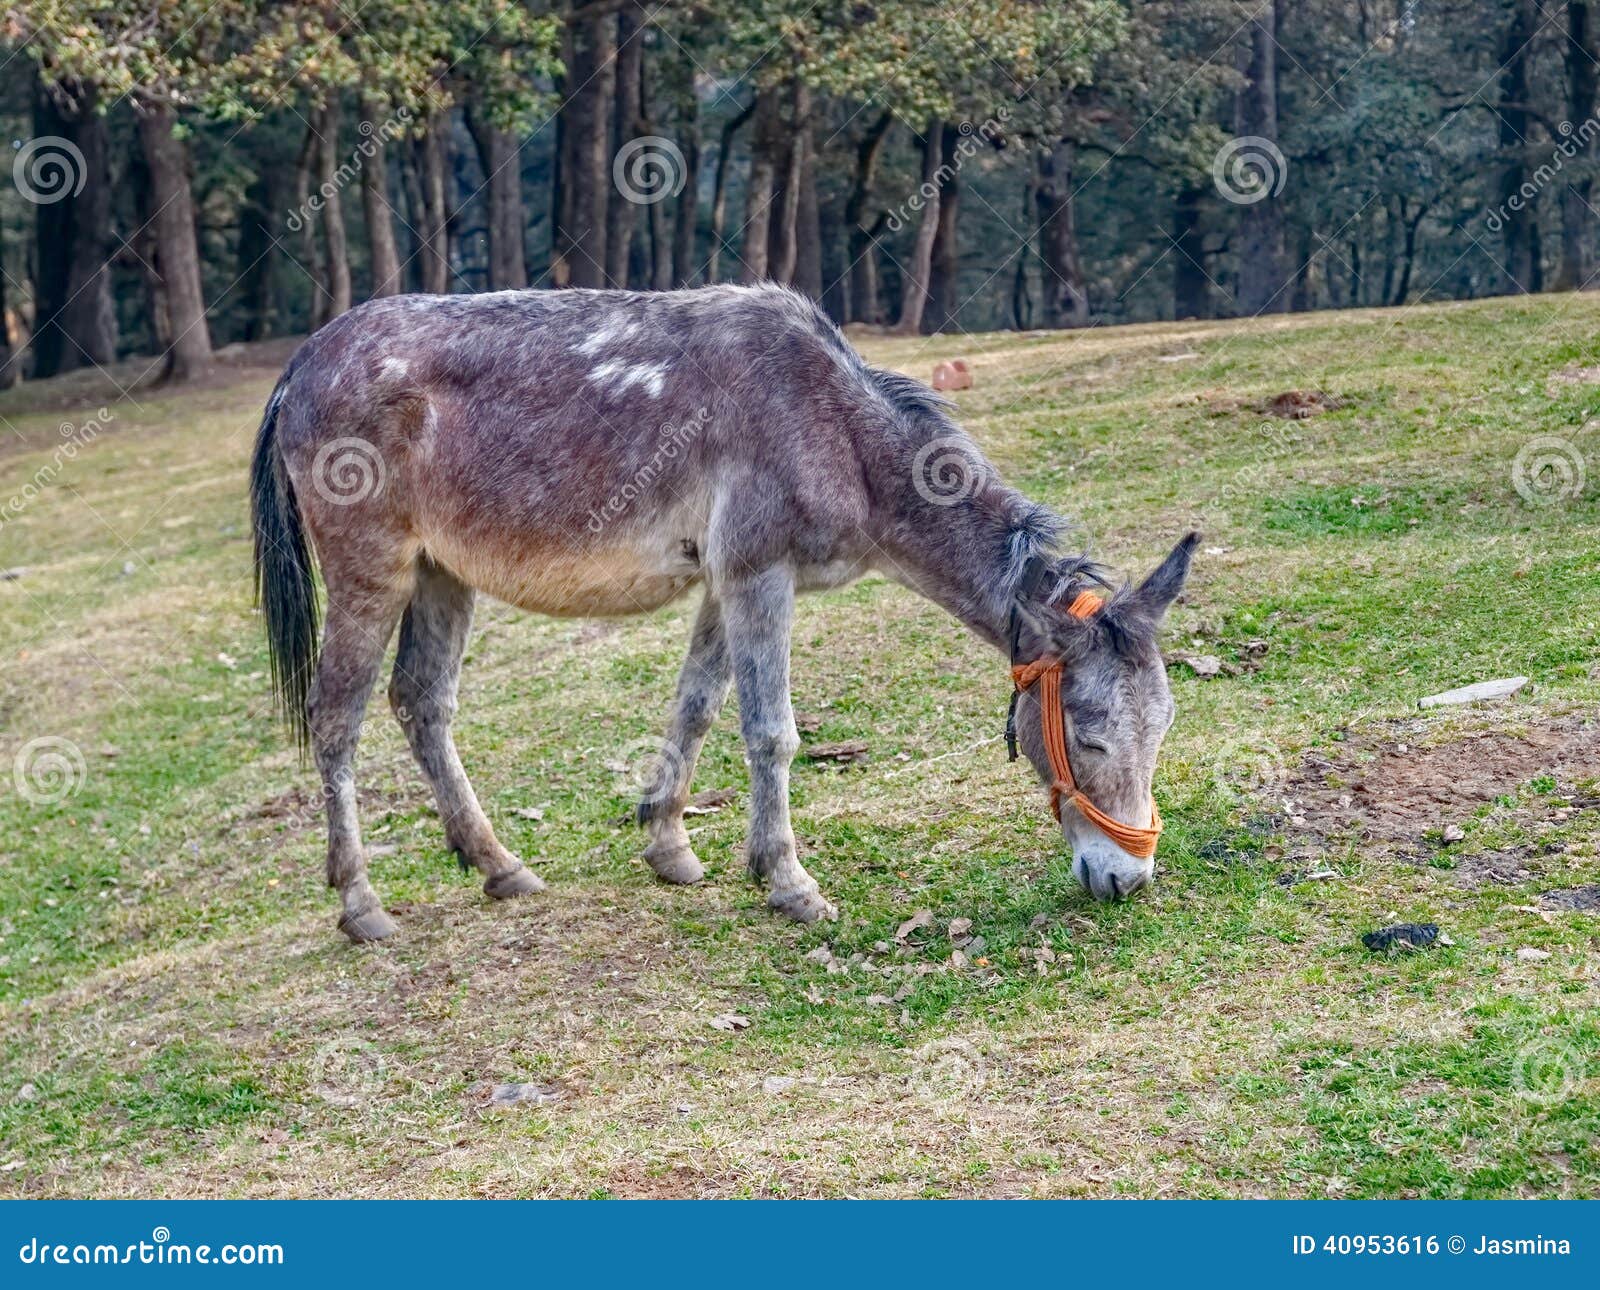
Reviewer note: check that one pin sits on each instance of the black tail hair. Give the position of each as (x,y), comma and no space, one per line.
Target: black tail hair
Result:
(285,587)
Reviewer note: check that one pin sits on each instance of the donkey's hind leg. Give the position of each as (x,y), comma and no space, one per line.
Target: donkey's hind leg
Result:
(427,668)
(702,688)
(360,621)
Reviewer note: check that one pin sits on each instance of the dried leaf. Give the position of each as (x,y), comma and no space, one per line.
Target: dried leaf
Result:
(922,918)
(730,1021)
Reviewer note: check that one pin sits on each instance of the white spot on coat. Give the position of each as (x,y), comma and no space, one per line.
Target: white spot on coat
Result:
(623,376)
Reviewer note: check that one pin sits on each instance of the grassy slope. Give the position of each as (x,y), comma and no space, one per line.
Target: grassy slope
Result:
(172,988)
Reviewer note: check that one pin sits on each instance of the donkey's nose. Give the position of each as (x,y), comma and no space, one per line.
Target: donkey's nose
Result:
(1113,875)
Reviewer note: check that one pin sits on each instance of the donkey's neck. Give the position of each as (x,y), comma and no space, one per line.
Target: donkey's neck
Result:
(968,557)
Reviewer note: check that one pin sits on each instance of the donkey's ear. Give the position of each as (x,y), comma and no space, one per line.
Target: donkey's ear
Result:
(1156,593)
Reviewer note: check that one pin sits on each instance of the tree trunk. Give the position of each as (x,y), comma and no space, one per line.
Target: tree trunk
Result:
(914,290)
(627,123)
(719,192)
(1021,297)
(1409,253)
(864,305)
(761,189)
(501,159)
(789,162)
(75,320)
(335,249)
(1262,277)
(944,300)
(1519,229)
(586,174)
(177,250)
(1191,285)
(1066,299)
(683,228)
(10,370)
(808,222)
(257,256)
(304,221)
(1577,213)
(379,215)
(433,228)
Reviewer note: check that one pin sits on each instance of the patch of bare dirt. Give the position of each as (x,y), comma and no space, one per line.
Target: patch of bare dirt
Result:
(1382,787)
(1572,374)
(1585,899)
(1300,405)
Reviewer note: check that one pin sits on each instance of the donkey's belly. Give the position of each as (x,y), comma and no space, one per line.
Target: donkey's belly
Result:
(605,581)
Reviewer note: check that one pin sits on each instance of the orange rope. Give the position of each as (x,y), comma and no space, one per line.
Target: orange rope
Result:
(1046,672)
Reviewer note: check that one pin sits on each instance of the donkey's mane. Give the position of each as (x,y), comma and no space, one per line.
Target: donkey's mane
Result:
(1032,534)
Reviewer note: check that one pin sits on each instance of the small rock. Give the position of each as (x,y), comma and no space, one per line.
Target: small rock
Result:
(1530,955)
(730,1021)
(27,1092)
(776,1084)
(1453,833)
(1479,692)
(129,568)
(1204,666)
(529,812)
(959,927)
(501,1095)
(1402,936)
(11,575)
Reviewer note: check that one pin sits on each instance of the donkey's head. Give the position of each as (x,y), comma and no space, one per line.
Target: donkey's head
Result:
(1093,725)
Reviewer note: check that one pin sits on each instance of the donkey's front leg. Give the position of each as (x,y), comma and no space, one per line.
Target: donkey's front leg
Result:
(702,688)
(757,613)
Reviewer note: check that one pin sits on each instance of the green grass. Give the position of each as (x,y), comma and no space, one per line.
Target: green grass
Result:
(179,1017)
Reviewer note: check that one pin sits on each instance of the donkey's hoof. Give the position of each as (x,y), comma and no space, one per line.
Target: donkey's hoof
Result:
(675,864)
(369,925)
(520,881)
(803,904)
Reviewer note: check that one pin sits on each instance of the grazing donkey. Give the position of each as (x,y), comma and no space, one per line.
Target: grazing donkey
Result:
(601,452)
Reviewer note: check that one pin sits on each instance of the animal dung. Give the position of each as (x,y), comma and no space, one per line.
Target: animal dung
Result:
(1481,692)
(1402,936)
(953,374)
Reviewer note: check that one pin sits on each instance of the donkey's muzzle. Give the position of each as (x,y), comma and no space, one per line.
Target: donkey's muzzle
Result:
(1112,875)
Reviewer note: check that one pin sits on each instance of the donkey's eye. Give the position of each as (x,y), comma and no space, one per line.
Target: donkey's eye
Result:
(1091,745)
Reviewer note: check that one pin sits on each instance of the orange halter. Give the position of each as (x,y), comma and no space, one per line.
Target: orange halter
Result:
(1046,672)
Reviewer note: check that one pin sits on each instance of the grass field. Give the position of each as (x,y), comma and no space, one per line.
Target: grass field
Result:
(178,1015)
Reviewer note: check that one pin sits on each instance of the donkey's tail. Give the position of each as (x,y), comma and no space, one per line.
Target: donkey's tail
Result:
(285,589)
